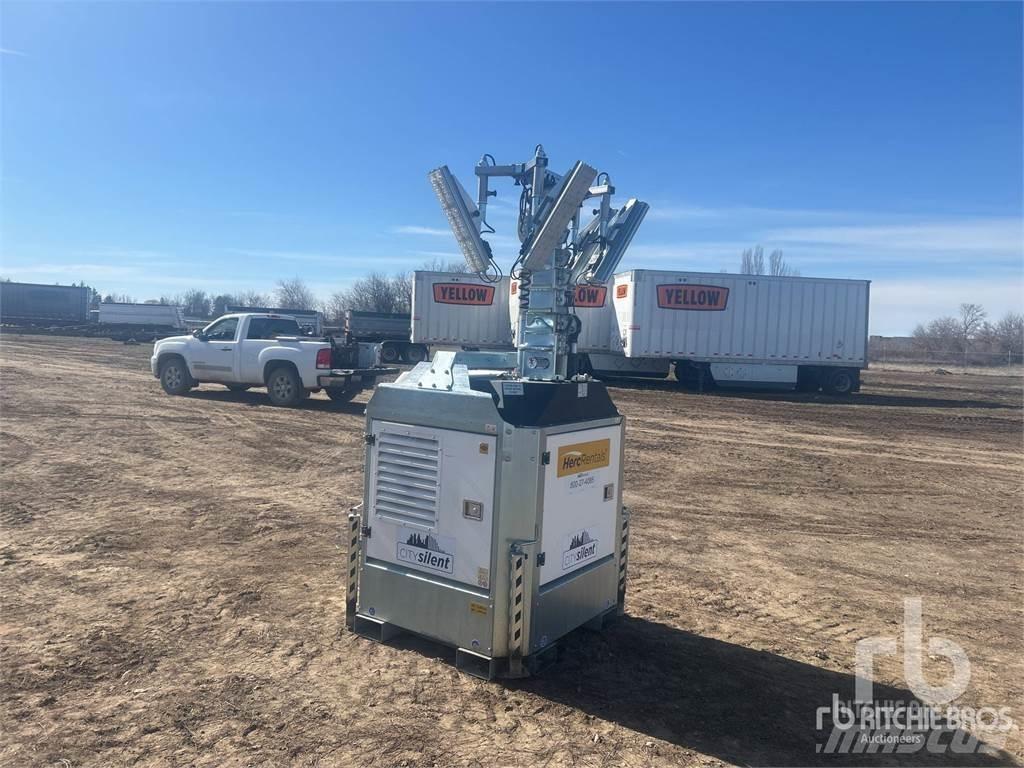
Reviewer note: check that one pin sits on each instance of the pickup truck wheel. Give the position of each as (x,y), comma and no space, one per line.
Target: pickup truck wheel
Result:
(284,388)
(238,387)
(174,376)
(341,394)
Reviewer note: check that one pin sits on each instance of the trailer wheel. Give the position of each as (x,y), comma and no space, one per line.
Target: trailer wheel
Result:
(341,394)
(238,387)
(174,376)
(284,387)
(415,353)
(389,353)
(840,382)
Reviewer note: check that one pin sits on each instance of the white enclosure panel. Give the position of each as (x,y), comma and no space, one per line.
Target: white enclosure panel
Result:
(598,333)
(432,500)
(750,318)
(579,521)
(458,309)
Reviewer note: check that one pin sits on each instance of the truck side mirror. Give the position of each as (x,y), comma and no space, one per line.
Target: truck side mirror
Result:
(198,333)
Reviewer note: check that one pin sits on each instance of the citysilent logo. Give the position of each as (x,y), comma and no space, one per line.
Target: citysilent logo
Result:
(426,551)
(581,547)
(932,723)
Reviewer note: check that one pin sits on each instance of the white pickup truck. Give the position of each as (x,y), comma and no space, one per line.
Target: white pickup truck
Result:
(265,350)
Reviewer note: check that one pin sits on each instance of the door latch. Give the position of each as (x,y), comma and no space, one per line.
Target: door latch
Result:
(541,559)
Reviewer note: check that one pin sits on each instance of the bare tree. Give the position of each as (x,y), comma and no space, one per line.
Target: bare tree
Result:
(939,338)
(956,338)
(1007,336)
(334,307)
(374,293)
(972,318)
(442,265)
(402,282)
(118,298)
(251,299)
(221,302)
(295,294)
(778,267)
(752,261)
(196,303)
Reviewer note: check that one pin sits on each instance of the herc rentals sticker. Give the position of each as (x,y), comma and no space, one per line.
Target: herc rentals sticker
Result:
(425,550)
(590,296)
(709,298)
(583,457)
(463,293)
(580,547)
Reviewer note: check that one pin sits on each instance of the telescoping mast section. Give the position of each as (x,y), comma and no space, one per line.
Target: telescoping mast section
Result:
(492,515)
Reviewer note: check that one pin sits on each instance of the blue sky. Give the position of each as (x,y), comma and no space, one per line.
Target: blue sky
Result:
(149,148)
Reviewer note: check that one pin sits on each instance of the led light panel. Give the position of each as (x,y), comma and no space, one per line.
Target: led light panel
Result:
(598,260)
(574,190)
(463,217)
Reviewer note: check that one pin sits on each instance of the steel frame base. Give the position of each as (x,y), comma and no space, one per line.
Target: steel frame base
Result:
(470,662)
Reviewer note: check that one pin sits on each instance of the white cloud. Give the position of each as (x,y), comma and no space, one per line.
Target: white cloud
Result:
(683,212)
(669,211)
(414,229)
(996,236)
(75,272)
(310,257)
(12,52)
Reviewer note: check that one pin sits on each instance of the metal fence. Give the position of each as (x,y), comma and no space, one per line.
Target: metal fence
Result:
(901,350)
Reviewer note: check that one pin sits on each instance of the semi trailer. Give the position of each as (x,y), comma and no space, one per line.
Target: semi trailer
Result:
(36,304)
(146,316)
(746,330)
(457,309)
(721,329)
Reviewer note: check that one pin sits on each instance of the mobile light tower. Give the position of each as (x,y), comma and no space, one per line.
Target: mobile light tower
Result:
(492,515)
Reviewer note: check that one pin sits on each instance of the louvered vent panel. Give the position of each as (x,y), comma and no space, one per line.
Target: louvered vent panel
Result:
(406,484)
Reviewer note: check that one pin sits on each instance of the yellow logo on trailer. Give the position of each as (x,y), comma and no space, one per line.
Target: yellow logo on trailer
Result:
(582,457)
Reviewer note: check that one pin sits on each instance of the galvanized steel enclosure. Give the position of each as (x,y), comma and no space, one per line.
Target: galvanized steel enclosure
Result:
(489,525)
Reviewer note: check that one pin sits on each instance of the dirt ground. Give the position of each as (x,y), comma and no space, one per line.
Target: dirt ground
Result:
(173,585)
